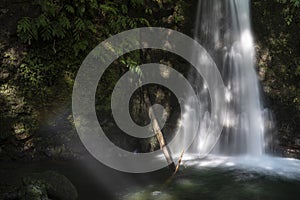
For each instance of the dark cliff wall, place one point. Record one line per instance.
(276, 28)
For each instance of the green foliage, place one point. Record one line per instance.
(64, 32)
(281, 42)
(291, 10)
(59, 21)
(294, 3)
(279, 61)
(36, 75)
(80, 19)
(132, 63)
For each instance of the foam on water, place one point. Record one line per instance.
(268, 165)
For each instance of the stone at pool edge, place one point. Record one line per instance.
(45, 186)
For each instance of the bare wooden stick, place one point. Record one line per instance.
(159, 134)
(170, 179)
(178, 164)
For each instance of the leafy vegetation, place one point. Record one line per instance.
(64, 32)
(277, 27)
(290, 10)
(53, 41)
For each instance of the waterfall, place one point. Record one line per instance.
(224, 29)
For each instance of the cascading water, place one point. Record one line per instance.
(224, 29)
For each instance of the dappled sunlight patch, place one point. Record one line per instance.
(265, 165)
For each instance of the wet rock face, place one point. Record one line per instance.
(277, 65)
(17, 120)
(44, 186)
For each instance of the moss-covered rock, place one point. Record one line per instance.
(44, 186)
(57, 185)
